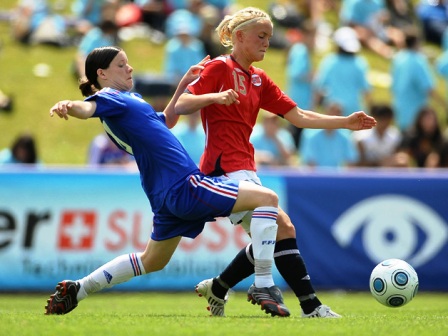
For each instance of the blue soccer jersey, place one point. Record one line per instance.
(182, 198)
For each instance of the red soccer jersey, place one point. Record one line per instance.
(228, 128)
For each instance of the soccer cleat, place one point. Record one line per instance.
(270, 299)
(64, 299)
(215, 304)
(322, 311)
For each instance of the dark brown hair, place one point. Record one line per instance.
(98, 58)
(24, 149)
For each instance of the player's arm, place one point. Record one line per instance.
(171, 117)
(189, 103)
(74, 108)
(309, 119)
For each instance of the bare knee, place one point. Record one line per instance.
(152, 265)
(268, 198)
(158, 253)
(272, 198)
(285, 227)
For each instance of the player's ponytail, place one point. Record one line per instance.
(87, 89)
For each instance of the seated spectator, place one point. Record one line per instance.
(103, 35)
(103, 151)
(433, 15)
(368, 18)
(328, 148)
(201, 19)
(273, 144)
(443, 154)
(34, 22)
(378, 146)
(90, 13)
(401, 13)
(154, 13)
(424, 141)
(23, 151)
(182, 51)
(184, 17)
(191, 135)
(398, 16)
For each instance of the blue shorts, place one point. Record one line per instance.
(192, 203)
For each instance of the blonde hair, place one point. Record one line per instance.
(238, 21)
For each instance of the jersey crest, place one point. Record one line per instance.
(256, 80)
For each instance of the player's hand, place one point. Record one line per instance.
(227, 98)
(194, 71)
(61, 108)
(360, 121)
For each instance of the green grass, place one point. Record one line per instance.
(184, 314)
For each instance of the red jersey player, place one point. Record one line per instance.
(229, 92)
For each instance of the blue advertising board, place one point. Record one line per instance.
(348, 222)
(58, 223)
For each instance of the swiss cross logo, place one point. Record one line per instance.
(77, 230)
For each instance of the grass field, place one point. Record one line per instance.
(184, 314)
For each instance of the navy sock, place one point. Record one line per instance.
(239, 269)
(292, 268)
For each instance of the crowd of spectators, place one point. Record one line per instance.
(409, 132)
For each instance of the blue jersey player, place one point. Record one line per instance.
(182, 198)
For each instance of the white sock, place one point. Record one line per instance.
(263, 228)
(116, 271)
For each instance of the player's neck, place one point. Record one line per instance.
(241, 61)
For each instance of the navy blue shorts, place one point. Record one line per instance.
(188, 206)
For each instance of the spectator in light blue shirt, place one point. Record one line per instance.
(328, 148)
(299, 68)
(183, 17)
(299, 73)
(102, 36)
(342, 76)
(413, 82)
(182, 51)
(90, 10)
(273, 144)
(22, 151)
(191, 135)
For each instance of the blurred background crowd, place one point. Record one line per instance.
(330, 50)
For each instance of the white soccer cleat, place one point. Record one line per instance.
(322, 311)
(215, 304)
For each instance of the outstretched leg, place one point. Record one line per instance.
(121, 269)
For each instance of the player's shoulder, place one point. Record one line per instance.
(258, 71)
(107, 91)
(222, 61)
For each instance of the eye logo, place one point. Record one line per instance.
(391, 225)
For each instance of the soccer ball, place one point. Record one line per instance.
(393, 283)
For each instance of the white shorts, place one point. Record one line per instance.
(243, 217)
